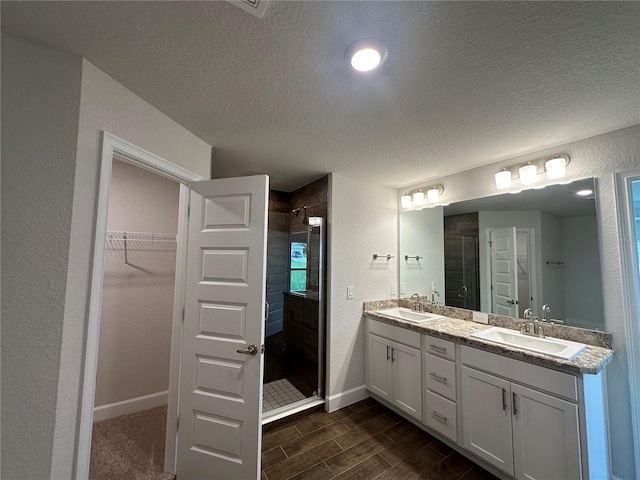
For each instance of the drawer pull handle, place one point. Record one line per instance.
(393, 359)
(435, 376)
(388, 352)
(504, 400)
(437, 347)
(438, 416)
(515, 408)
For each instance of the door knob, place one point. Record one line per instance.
(251, 350)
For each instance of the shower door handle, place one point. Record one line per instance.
(266, 312)
(251, 350)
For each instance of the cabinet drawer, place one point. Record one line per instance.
(400, 335)
(440, 414)
(440, 376)
(552, 381)
(440, 347)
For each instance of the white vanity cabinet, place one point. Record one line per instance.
(531, 432)
(394, 368)
(440, 390)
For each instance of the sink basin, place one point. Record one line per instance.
(409, 315)
(549, 346)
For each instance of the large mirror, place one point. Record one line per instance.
(506, 253)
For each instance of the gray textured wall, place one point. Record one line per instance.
(40, 107)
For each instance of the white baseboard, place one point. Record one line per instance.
(132, 405)
(342, 399)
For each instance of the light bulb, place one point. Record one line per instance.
(405, 201)
(528, 174)
(432, 194)
(366, 55)
(556, 168)
(418, 197)
(503, 179)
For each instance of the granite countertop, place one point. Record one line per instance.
(591, 361)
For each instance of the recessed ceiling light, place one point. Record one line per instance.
(366, 55)
(584, 193)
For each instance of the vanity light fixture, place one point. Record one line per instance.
(556, 167)
(528, 174)
(433, 193)
(419, 199)
(503, 179)
(366, 55)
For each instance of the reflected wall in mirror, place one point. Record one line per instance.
(506, 253)
(421, 253)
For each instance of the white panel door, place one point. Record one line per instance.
(219, 433)
(379, 366)
(504, 272)
(545, 427)
(486, 421)
(407, 379)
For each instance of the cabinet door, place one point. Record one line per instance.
(546, 440)
(407, 379)
(486, 419)
(379, 363)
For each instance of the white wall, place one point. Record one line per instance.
(552, 275)
(53, 110)
(363, 220)
(600, 157)
(488, 220)
(422, 233)
(582, 282)
(40, 106)
(137, 300)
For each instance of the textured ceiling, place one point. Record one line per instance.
(465, 83)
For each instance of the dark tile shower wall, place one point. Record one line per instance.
(277, 258)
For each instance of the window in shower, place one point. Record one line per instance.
(298, 268)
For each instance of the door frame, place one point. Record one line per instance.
(117, 148)
(631, 296)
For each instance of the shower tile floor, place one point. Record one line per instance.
(278, 394)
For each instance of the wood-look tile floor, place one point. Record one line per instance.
(362, 441)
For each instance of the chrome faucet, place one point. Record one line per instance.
(533, 326)
(416, 304)
(545, 310)
(434, 293)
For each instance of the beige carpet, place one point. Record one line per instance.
(130, 447)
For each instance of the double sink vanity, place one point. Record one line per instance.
(522, 406)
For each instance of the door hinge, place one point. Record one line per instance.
(177, 423)
(262, 349)
(182, 314)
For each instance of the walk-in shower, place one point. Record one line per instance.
(294, 352)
